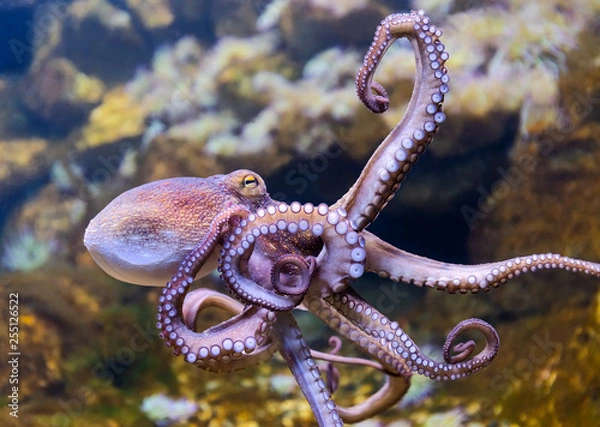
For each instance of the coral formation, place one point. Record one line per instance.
(208, 103)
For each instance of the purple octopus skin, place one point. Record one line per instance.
(276, 257)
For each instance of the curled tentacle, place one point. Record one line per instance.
(377, 102)
(492, 341)
(385, 341)
(336, 343)
(200, 298)
(464, 350)
(214, 348)
(334, 316)
(401, 266)
(341, 259)
(392, 160)
(291, 274)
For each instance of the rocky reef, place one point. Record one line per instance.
(120, 93)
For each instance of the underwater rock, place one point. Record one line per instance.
(520, 215)
(13, 120)
(171, 156)
(62, 307)
(22, 251)
(546, 366)
(207, 100)
(509, 58)
(23, 162)
(155, 14)
(453, 418)
(117, 118)
(59, 95)
(310, 26)
(235, 18)
(102, 39)
(545, 200)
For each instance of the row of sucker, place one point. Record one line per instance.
(393, 159)
(295, 351)
(219, 348)
(402, 266)
(333, 318)
(202, 298)
(341, 242)
(399, 350)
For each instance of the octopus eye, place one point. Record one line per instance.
(250, 181)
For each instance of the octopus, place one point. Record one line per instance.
(275, 257)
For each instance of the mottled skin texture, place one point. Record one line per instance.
(142, 235)
(275, 257)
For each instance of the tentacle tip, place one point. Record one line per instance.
(382, 107)
(377, 105)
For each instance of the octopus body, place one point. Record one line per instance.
(145, 232)
(275, 257)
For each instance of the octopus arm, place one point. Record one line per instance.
(387, 343)
(295, 351)
(394, 157)
(223, 347)
(393, 390)
(401, 266)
